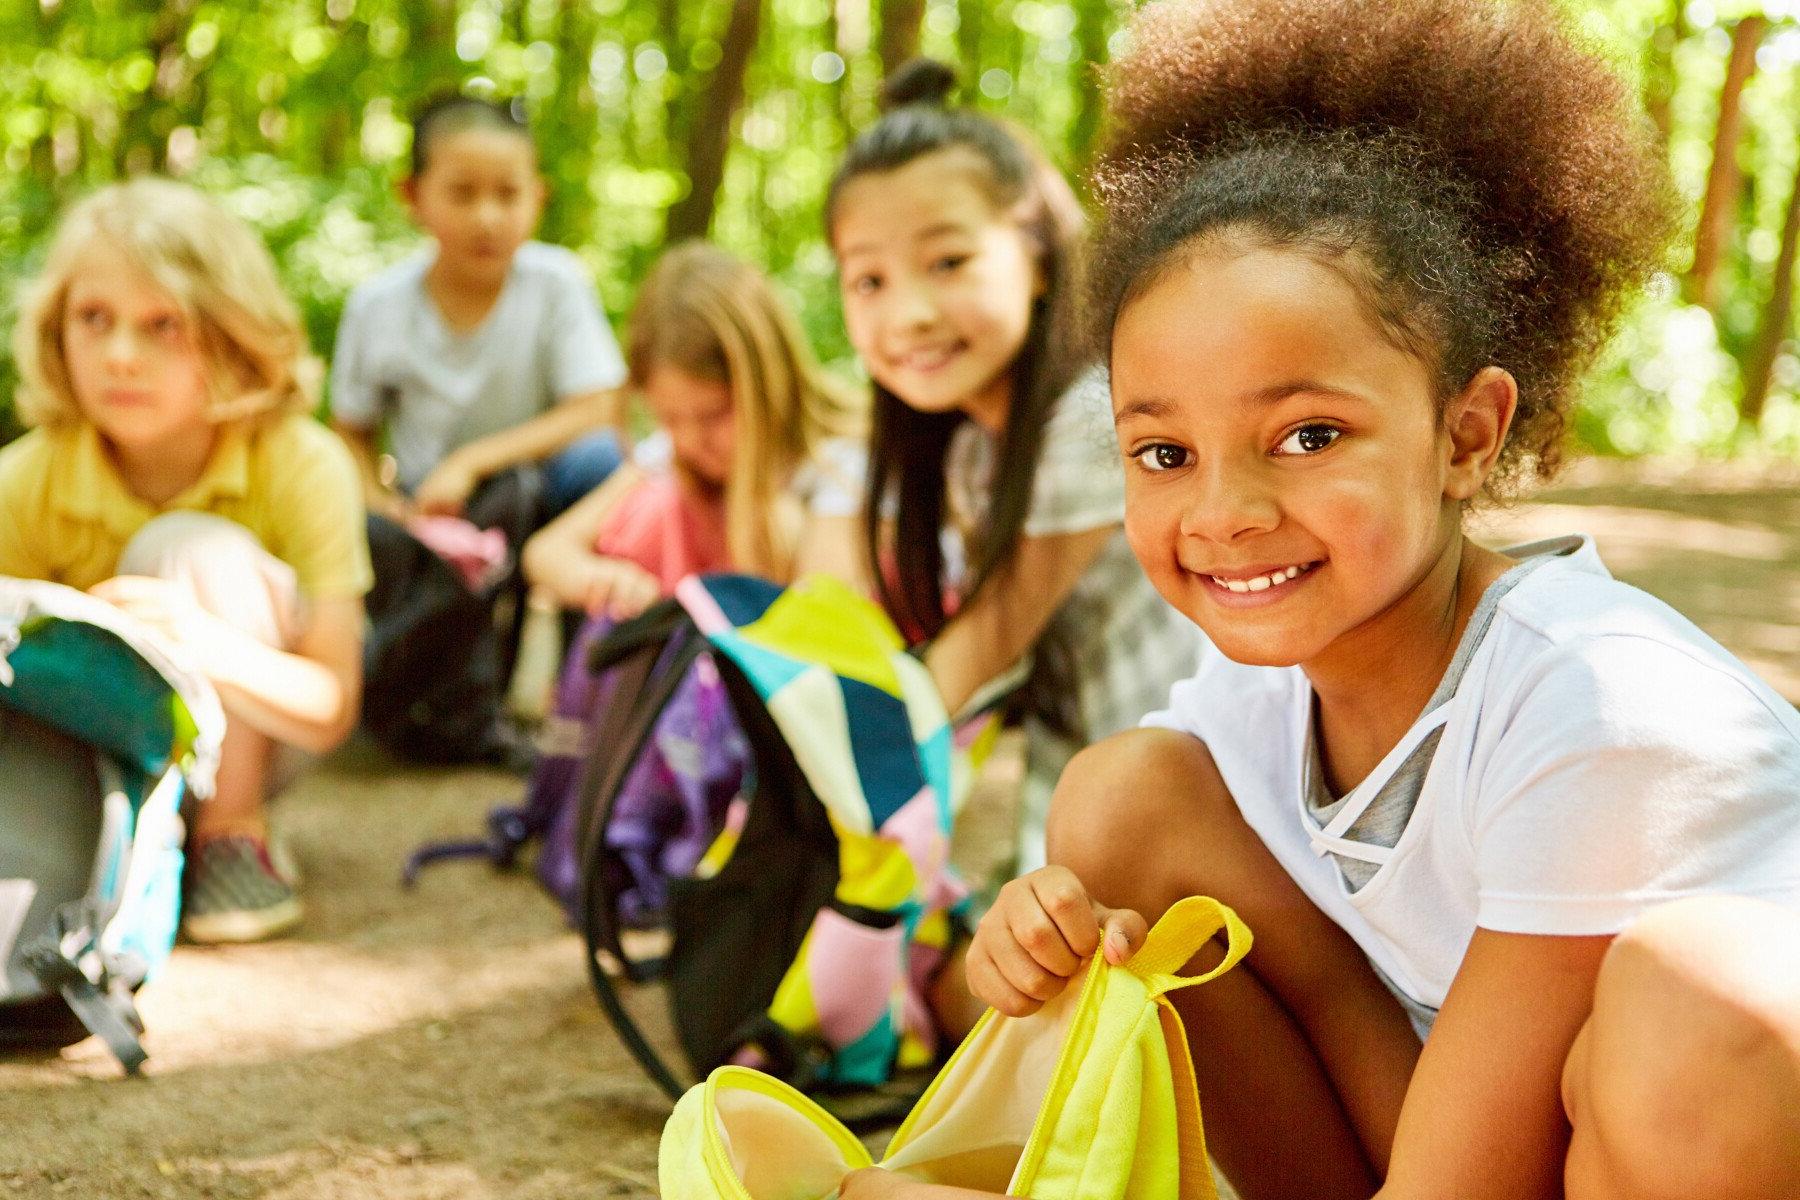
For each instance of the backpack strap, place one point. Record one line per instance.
(104, 1006)
(1179, 935)
(655, 673)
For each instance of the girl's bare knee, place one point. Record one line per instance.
(1690, 1071)
(1124, 809)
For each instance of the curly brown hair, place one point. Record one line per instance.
(1481, 176)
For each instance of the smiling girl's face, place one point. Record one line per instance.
(1289, 479)
(937, 284)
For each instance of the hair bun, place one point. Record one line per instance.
(918, 81)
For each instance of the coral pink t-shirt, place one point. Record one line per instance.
(669, 530)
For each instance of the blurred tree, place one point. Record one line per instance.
(899, 32)
(1777, 315)
(1725, 180)
(1660, 76)
(711, 138)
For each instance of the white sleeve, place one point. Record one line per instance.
(1632, 771)
(654, 453)
(1080, 479)
(584, 355)
(832, 483)
(355, 392)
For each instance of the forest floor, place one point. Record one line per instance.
(443, 1042)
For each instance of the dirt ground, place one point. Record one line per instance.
(442, 1042)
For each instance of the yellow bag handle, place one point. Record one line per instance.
(1187, 926)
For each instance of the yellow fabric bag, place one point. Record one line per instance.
(1090, 1098)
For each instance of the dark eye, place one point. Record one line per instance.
(949, 263)
(1309, 439)
(1162, 457)
(865, 285)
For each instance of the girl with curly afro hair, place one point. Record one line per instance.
(1519, 844)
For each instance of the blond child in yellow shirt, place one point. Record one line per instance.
(172, 469)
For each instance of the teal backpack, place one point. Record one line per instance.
(102, 733)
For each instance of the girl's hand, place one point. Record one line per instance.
(610, 587)
(166, 607)
(446, 489)
(1042, 928)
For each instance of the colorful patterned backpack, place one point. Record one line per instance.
(801, 939)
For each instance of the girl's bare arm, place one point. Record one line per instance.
(559, 552)
(1008, 615)
(1483, 1117)
(834, 546)
(309, 696)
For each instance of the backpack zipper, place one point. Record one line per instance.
(719, 1162)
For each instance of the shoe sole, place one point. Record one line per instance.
(244, 925)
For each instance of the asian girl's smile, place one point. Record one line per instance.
(1291, 478)
(937, 285)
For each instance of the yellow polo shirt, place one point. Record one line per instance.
(65, 515)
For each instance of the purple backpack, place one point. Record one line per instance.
(667, 812)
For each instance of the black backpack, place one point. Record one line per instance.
(731, 937)
(437, 655)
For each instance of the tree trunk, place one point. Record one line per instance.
(1775, 322)
(1725, 180)
(141, 144)
(899, 41)
(691, 216)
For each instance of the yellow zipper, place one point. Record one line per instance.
(718, 1162)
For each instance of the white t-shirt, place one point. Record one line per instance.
(396, 363)
(1601, 755)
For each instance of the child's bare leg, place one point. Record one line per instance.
(236, 805)
(1685, 1082)
(1302, 1055)
(229, 574)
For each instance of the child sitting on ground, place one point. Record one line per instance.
(993, 476)
(485, 351)
(175, 470)
(475, 359)
(754, 468)
(1519, 844)
(754, 446)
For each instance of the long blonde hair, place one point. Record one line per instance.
(219, 273)
(710, 315)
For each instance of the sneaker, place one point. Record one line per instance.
(237, 893)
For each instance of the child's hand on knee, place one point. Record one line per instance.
(1039, 932)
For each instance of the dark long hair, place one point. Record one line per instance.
(907, 448)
